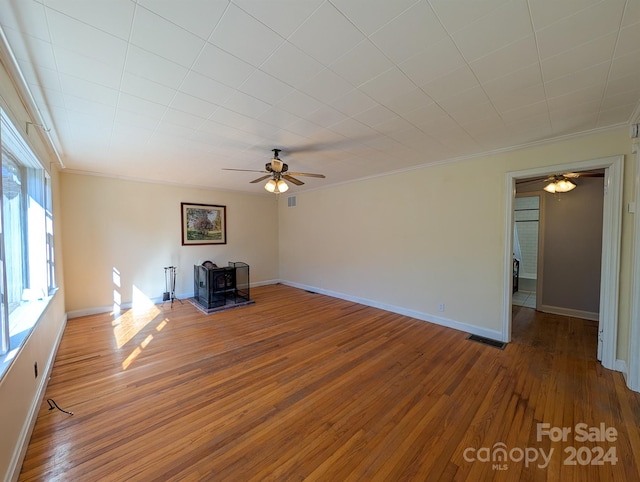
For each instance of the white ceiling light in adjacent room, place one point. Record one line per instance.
(559, 185)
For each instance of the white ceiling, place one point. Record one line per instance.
(178, 90)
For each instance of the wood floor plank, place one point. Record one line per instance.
(300, 386)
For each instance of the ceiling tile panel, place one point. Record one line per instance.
(95, 110)
(140, 106)
(278, 117)
(193, 105)
(370, 15)
(506, 24)
(512, 57)
(146, 89)
(219, 65)
(353, 103)
(481, 111)
(516, 80)
(183, 119)
(88, 68)
(614, 99)
(88, 90)
(408, 101)
(326, 86)
(246, 104)
(197, 16)
(114, 17)
(451, 84)
(361, 63)
(631, 14)
(272, 13)
(161, 37)
(387, 85)
(299, 103)
(616, 115)
(629, 40)
(376, 115)
(460, 101)
(265, 87)
(291, 65)
(326, 35)
(205, 88)
(603, 18)
(518, 98)
(579, 58)
(65, 32)
(547, 12)
(409, 33)
(525, 112)
(596, 75)
(625, 64)
(434, 61)
(326, 116)
(154, 67)
(142, 121)
(458, 15)
(592, 93)
(245, 37)
(27, 17)
(35, 50)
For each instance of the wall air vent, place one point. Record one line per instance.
(291, 202)
(487, 341)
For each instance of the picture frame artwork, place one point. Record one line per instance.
(203, 224)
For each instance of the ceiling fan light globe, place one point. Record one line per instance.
(551, 187)
(564, 185)
(270, 185)
(282, 186)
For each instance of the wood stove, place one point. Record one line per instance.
(214, 287)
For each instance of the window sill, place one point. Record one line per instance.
(22, 321)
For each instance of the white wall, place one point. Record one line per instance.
(573, 248)
(414, 240)
(134, 227)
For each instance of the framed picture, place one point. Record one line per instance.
(203, 224)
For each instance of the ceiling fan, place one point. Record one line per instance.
(559, 183)
(278, 171)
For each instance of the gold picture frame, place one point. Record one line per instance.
(203, 224)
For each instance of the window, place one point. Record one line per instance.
(27, 276)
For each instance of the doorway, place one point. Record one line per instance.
(610, 263)
(526, 242)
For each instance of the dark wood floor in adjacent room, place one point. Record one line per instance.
(301, 386)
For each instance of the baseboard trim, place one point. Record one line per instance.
(96, 310)
(558, 310)
(419, 315)
(27, 429)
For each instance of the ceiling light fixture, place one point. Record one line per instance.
(276, 186)
(560, 184)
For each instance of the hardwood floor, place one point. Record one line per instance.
(301, 386)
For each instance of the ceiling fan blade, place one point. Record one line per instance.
(243, 170)
(527, 181)
(584, 174)
(308, 174)
(261, 178)
(295, 181)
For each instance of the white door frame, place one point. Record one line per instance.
(611, 234)
(633, 370)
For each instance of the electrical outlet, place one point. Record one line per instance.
(441, 307)
(35, 369)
